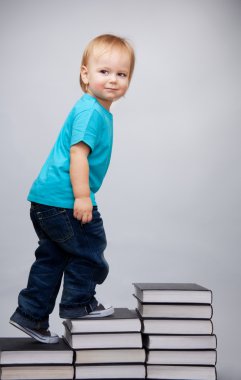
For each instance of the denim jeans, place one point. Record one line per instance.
(69, 250)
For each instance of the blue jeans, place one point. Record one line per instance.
(66, 249)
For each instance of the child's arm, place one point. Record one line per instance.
(79, 176)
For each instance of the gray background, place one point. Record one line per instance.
(171, 199)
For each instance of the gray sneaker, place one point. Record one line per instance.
(42, 335)
(100, 311)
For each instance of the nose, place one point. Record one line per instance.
(112, 78)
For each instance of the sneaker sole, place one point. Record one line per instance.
(100, 314)
(48, 340)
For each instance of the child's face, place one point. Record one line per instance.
(107, 76)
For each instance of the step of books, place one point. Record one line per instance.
(109, 347)
(170, 335)
(177, 330)
(25, 358)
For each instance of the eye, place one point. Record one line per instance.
(105, 72)
(122, 75)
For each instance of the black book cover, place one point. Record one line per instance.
(29, 344)
(102, 339)
(169, 286)
(173, 293)
(27, 351)
(100, 333)
(123, 320)
(174, 310)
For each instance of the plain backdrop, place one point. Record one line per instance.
(171, 198)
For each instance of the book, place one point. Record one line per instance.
(174, 311)
(180, 342)
(123, 320)
(103, 340)
(172, 293)
(28, 351)
(178, 326)
(181, 372)
(51, 372)
(110, 372)
(182, 357)
(123, 355)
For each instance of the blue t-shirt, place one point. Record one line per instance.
(90, 123)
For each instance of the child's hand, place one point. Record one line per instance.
(83, 209)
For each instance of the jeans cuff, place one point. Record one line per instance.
(78, 311)
(27, 321)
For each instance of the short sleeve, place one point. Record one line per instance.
(86, 128)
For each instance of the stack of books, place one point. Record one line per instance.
(25, 358)
(107, 348)
(177, 330)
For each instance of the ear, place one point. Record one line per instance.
(84, 74)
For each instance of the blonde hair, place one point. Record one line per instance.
(103, 42)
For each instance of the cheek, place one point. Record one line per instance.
(98, 85)
(125, 86)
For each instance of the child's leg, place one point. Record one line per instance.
(86, 267)
(37, 300)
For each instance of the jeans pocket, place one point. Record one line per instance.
(56, 224)
(95, 233)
